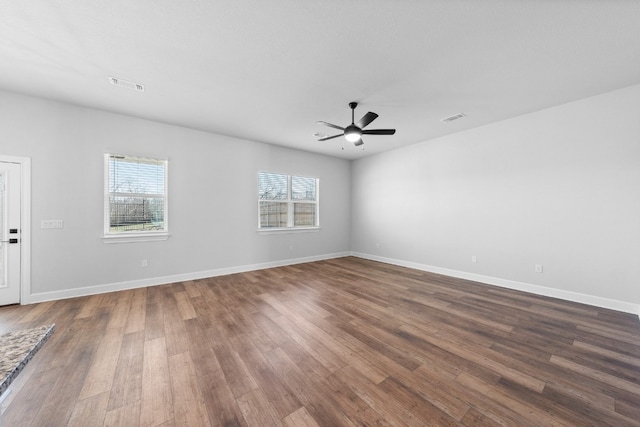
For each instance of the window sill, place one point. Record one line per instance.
(288, 230)
(134, 238)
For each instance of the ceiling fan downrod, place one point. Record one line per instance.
(353, 106)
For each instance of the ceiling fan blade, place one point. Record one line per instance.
(329, 124)
(326, 138)
(358, 142)
(379, 132)
(366, 119)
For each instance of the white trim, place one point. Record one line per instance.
(134, 237)
(612, 304)
(504, 283)
(288, 230)
(25, 224)
(142, 283)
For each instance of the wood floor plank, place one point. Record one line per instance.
(200, 347)
(56, 408)
(502, 398)
(157, 396)
(222, 406)
(188, 404)
(628, 408)
(630, 360)
(175, 332)
(238, 377)
(583, 411)
(394, 409)
(356, 410)
(184, 305)
(482, 358)
(128, 415)
(631, 387)
(257, 411)
(36, 311)
(283, 400)
(90, 411)
(300, 418)
(269, 336)
(416, 404)
(338, 342)
(127, 382)
(99, 379)
(432, 388)
(89, 306)
(137, 310)
(28, 404)
(154, 316)
(319, 405)
(319, 349)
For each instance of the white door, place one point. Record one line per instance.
(10, 233)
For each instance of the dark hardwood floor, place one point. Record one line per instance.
(343, 342)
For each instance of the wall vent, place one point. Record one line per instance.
(127, 84)
(452, 118)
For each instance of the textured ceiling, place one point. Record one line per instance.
(267, 70)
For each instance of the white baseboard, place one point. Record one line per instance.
(622, 306)
(143, 283)
(612, 304)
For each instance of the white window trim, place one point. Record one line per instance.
(290, 228)
(132, 237)
(281, 230)
(135, 237)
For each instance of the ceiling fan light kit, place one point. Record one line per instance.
(353, 133)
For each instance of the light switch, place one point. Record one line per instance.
(51, 223)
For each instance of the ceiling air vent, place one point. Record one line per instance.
(127, 84)
(452, 118)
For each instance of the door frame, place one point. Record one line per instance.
(25, 224)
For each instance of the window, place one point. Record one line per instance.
(135, 199)
(286, 201)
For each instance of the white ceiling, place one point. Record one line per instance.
(267, 70)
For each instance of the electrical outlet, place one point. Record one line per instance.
(474, 258)
(144, 263)
(538, 268)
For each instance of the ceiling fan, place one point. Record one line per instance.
(353, 132)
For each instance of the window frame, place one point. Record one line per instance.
(134, 236)
(291, 202)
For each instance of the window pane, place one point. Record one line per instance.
(136, 194)
(273, 214)
(287, 201)
(136, 175)
(303, 188)
(272, 186)
(135, 214)
(304, 214)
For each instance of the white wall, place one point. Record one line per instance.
(558, 187)
(212, 196)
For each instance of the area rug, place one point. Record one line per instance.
(17, 348)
